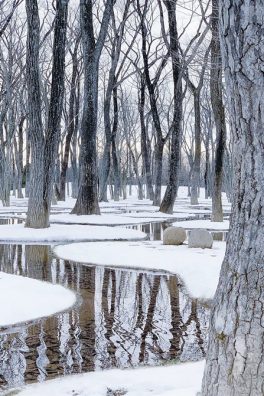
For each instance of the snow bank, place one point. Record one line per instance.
(66, 233)
(24, 299)
(199, 268)
(110, 219)
(207, 224)
(178, 380)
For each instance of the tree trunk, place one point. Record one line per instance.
(176, 126)
(71, 125)
(158, 172)
(36, 216)
(144, 145)
(216, 89)
(87, 200)
(235, 359)
(44, 150)
(197, 154)
(115, 158)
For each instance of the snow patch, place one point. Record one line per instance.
(23, 299)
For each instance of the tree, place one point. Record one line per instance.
(176, 125)
(87, 200)
(44, 148)
(235, 360)
(216, 88)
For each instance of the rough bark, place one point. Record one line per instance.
(36, 212)
(176, 125)
(235, 359)
(216, 89)
(87, 200)
(44, 149)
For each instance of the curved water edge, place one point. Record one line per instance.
(126, 319)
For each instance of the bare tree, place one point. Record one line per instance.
(44, 148)
(87, 200)
(235, 355)
(216, 88)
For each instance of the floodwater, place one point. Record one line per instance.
(155, 231)
(122, 318)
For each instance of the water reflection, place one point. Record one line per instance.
(123, 319)
(155, 231)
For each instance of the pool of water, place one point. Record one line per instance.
(155, 231)
(122, 319)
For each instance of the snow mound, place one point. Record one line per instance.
(25, 299)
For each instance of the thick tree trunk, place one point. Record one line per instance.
(36, 216)
(44, 150)
(216, 89)
(87, 200)
(235, 359)
(176, 126)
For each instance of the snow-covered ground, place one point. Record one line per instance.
(199, 268)
(23, 299)
(117, 218)
(177, 380)
(67, 233)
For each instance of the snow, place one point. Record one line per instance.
(25, 299)
(174, 380)
(199, 268)
(66, 233)
(206, 224)
(114, 219)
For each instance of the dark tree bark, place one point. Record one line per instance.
(111, 87)
(115, 159)
(52, 136)
(235, 359)
(151, 86)
(216, 89)
(176, 125)
(144, 140)
(71, 121)
(36, 212)
(196, 92)
(87, 200)
(195, 178)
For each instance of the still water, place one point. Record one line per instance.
(122, 318)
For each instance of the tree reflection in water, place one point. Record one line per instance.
(122, 319)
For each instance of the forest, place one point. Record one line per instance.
(131, 197)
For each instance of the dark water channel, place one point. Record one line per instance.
(122, 319)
